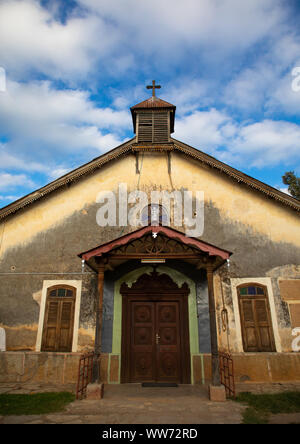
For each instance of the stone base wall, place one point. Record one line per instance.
(253, 368)
(48, 368)
(62, 368)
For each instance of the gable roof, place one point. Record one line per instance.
(153, 102)
(126, 148)
(171, 233)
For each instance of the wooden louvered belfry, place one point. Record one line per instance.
(59, 319)
(153, 126)
(153, 119)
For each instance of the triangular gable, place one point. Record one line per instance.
(130, 147)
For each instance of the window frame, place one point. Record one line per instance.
(60, 300)
(256, 297)
(41, 296)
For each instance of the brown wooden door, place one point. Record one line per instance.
(155, 331)
(155, 346)
(59, 320)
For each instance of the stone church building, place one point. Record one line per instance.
(156, 304)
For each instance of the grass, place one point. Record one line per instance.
(260, 407)
(35, 404)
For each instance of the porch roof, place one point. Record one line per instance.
(191, 245)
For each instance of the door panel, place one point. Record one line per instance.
(168, 343)
(142, 344)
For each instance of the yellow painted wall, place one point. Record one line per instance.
(235, 202)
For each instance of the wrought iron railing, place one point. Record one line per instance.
(85, 373)
(227, 373)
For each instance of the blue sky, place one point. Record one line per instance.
(74, 68)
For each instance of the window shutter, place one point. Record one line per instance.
(295, 315)
(160, 127)
(50, 327)
(66, 326)
(145, 127)
(290, 289)
(255, 319)
(248, 325)
(263, 325)
(153, 127)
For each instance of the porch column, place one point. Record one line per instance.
(216, 381)
(98, 337)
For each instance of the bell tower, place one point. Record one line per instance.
(153, 119)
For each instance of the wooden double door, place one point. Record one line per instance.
(155, 346)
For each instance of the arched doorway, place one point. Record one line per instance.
(155, 333)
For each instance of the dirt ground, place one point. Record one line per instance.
(133, 404)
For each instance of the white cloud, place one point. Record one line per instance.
(43, 123)
(9, 181)
(9, 198)
(157, 25)
(265, 83)
(247, 90)
(268, 143)
(284, 190)
(259, 144)
(207, 130)
(31, 38)
(114, 36)
(283, 98)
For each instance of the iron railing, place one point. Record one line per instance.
(85, 373)
(227, 373)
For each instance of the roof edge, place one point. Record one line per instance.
(65, 179)
(238, 175)
(126, 147)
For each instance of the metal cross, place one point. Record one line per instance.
(153, 87)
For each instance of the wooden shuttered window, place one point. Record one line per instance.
(255, 316)
(295, 315)
(153, 127)
(59, 319)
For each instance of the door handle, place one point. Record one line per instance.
(157, 338)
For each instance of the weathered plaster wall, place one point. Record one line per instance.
(42, 242)
(236, 203)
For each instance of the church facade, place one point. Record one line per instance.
(155, 300)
